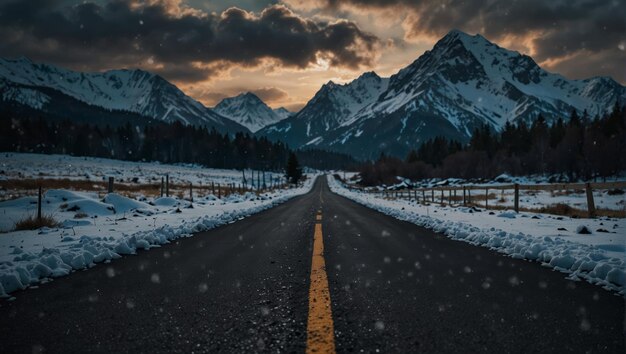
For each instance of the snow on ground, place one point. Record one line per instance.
(599, 257)
(24, 165)
(94, 230)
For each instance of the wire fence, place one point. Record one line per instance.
(486, 195)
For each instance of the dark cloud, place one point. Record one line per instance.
(270, 94)
(176, 40)
(562, 31)
(183, 72)
(212, 98)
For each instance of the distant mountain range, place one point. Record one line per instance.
(250, 111)
(42, 87)
(463, 83)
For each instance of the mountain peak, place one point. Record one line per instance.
(249, 96)
(466, 40)
(249, 110)
(282, 109)
(455, 33)
(464, 37)
(283, 112)
(369, 75)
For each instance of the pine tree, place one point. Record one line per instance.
(412, 157)
(293, 171)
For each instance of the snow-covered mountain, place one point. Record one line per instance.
(250, 111)
(37, 85)
(283, 113)
(462, 83)
(332, 107)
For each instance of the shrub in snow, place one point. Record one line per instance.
(33, 223)
(583, 230)
(508, 215)
(615, 192)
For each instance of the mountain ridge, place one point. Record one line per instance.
(131, 90)
(460, 84)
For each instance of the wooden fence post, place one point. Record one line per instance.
(264, 185)
(190, 192)
(442, 195)
(39, 205)
(213, 188)
(167, 185)
(162, 186)
(464, 203)
(591, 206)
(432, 195)
(487, 198)
(424, 196)
(219, 192)
(516, 198)
(110, 189)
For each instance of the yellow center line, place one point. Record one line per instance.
(320, 328)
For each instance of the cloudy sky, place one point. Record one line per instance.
(284, 50)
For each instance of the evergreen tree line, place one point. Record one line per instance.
(581, 148)
(166, 143)
(326, 160)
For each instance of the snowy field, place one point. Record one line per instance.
(15, 166)
(94, 229)
(598, 257)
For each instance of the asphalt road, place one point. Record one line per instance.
(244, 287)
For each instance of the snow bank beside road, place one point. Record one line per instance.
(598, 258)
(94, 231)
